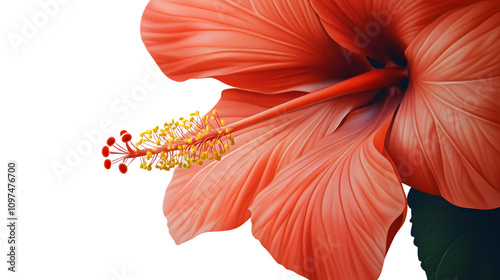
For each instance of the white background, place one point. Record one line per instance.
(77, 66)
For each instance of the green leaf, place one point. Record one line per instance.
(455, 243)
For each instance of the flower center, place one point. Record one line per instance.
(198, 138)
(394, 59)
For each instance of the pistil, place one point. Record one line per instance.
(197, 139)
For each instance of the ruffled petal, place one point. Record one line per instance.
(258, 45)
(333, 213)
(381, 29)
(445, 138)
(216, 196)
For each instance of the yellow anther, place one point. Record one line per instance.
(216, 155)
(174, 147)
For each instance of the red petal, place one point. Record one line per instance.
(379, 28)
(445, 138)
(253, 45)
(216, 196)
(334, 212)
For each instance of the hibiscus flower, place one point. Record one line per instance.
(322, 138)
